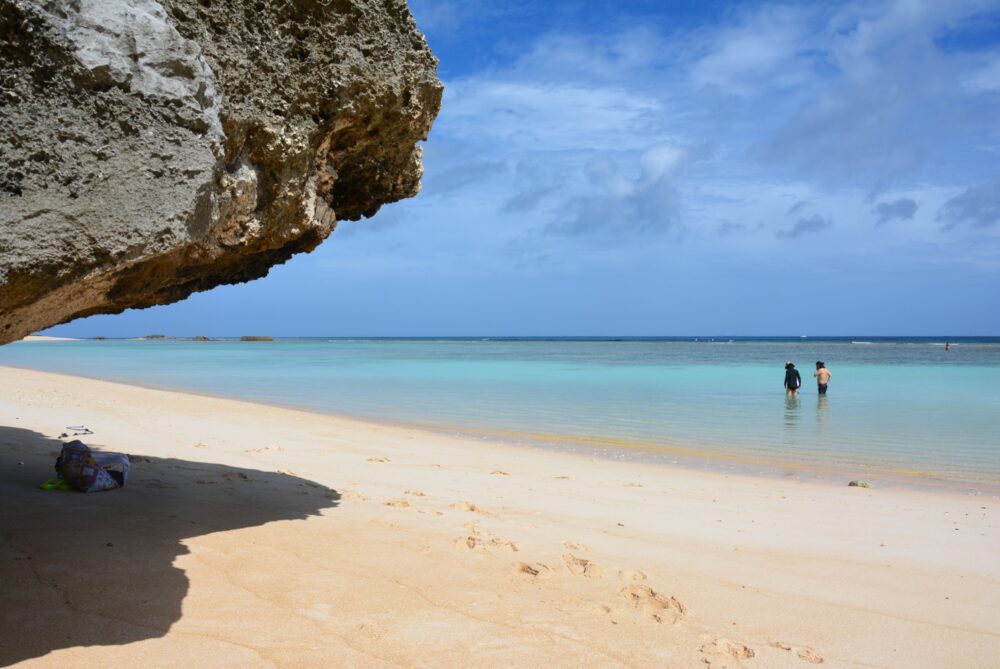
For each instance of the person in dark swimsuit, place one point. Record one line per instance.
(822, 377)
(793, 380)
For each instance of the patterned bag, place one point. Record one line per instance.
(91, 471)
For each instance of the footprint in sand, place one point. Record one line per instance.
(661, 607)
(467, 506)
(537, 570)
(474, 541)
(499, 472)
(378, 459)
(581, 567)
(573, 546)
(561, 478)
(803, 653)
(353, 497)
(236, 476)
(809, 655)
(200, 445)
(414, 493)
(631, 575)
(503, 544)
(724, 646)
(397, 503)
(265, 449)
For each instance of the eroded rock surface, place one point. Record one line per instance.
(153, 148)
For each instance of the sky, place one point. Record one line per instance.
(606, 167)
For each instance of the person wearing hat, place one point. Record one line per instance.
(822, 375)
(793, 380)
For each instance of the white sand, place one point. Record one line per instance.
(230, 548)
(47, 338)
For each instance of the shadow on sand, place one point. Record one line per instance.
(97, 569)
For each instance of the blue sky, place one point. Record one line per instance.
(670, 168)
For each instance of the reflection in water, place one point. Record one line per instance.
(821, 407)
(791, 411)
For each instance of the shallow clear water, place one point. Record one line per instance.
(904, 406)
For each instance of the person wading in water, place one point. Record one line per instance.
(792, 380)
(822, 375)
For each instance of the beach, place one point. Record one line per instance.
(38, 338)
(900, 410)
(253, 535)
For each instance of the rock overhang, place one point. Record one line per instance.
(152, 149)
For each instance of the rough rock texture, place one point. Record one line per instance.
(153, 148)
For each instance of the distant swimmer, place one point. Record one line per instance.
(822, 375)
(947, 346)
(793, 380)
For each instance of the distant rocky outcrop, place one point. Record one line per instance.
(150, 149)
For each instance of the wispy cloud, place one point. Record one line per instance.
(387, 217)
(902, 209)
(978, 207)
(805, 226)
(770, 47)
(619, 203)
(460, 176)
(986, 77)
(880, 88)
(798, 207)
(515, 116)
(833, 97)
(533, 184)
(727, 228)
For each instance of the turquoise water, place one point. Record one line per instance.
(903, 406)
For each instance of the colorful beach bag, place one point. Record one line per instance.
(91, 471)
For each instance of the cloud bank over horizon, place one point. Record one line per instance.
(631, 168)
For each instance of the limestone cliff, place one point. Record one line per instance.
(153, 148)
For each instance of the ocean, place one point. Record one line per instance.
(898, 409)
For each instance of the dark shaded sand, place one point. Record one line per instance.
(120, 585)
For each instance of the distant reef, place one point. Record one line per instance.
(152, 149)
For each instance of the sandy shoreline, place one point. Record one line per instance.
(263, 536)
(692, 457)
(31, 338)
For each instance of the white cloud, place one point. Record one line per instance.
(618, 202)
(615, 137)
(567, 116)
(640, 53)
(769, 48)
(986, 77)
(881, 93)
